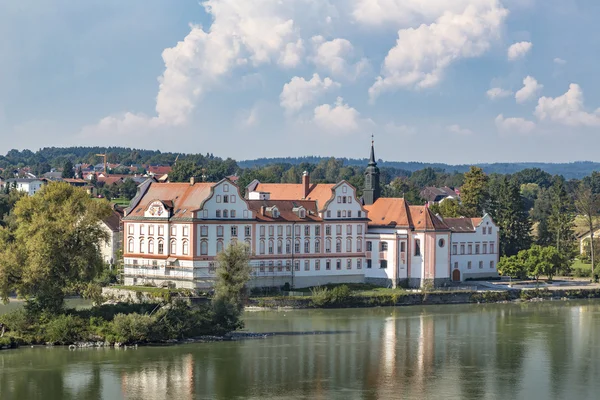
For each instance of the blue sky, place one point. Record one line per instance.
(459, 82)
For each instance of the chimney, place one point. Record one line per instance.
(192, 181)
(305, 183)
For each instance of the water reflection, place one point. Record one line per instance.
(527, 351)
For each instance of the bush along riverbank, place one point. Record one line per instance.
(343, 297)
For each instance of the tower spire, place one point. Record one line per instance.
(372, 189)
(372, 158)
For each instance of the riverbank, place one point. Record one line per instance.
(402, 298)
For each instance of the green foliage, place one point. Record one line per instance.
(66, 329)
(535, 261)
(54, 245)
(561, 219)
(474, 192)
(132, 328)
(128, 189)
(325, 297)
(449, 208)
(68, 171)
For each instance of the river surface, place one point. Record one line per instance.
(548, 350)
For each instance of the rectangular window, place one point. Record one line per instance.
(328, 230)
(344, 213)
(262, 231)
(247, 230)
(369, 245)
(150, 229)
(339, 199)
(307, 230)
(383, 246)
(279, 247)
(232, 199)
(490, 230)
(338, 264)
(462, 249)
(288, 230)
(491, 264)
(307, 265)
(369, 263)
(456, 265)
(262, 267)
(306, 246)
(317, 246)
(338, 230)
(480, 264)
(204, 231)
(161, 230)
(130, 228)
(185, 230)
(219, 231)
(477, 248)
(484, 250)
(359, 229)
(271, 249)
(358, 263)
(328, 265)
(470, 249)
(317, 230)
(339, 214)
(454, 248)
(232, 214)
(218, 213)
(348, 229)
(297, 247)
(234, 231)
(349, 213)
(344, 199)
(359, 245)
(349, 263)
(271, 230)
(469, 265)
(225, 198)
(349, 199)
(492, 248)
(328, 213)
(142, 230)
(288, 247)
(279, 230)
(383, 264)
(296, 265)
(173, 230)
(218, 198)
(360, 214)
(297, 230)
(484, 230)
(317, 265)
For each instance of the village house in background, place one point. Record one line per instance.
(112, 225)
(27, 185)
(299, 234)
(434, 195)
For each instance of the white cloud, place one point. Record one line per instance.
(241, 33)
(337, 119)
(395, 129)
(513, 125)
(530, 89)
(422, 54)
(498, 93)
(519, 50)
(299, 92)
(333, 55)
(458, 130)
(559, 61)
(292, 54)
(567, 109)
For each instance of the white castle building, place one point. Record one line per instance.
(301, 234)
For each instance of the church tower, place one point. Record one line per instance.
(372, 190)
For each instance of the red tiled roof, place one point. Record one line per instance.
(113, 221)
(462, 224)
(158, 170)
(285, 208)
(319, 192)
(183, 198)
(396, 212)
(110, 180)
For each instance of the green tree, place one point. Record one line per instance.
(232, 275)
(512, 266)
(67, 171)
(402, 187)
(184, 170)
(128, 189)
(54, 247)
(508, 211)
(449, 208)
(561, 220)
(587, 205)
(474, 192)
(542, 261)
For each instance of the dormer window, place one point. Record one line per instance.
(302, 213)
(274, 212)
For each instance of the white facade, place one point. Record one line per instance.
(29, 186)
(475, 254)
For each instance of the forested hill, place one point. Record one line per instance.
(574, 170)
(55, 157)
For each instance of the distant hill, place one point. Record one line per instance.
(573, 170)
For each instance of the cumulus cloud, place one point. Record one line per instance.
(337, 119)
(497, 93)
(299, 92)
(530, 89)
(559, 61)
(567, 109)
(292, 54)
(396, 129)
(241, 33)
(333, 56)
(513, 125)
(458, 130)
(422, 54)
(519, 50)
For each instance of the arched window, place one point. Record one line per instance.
(161, 246)
(338, 245)
(219, 246)
(417, 247)
(186, 246)
(297, 246)
(150, 246)
(348, 245)
(359, 245)
(261, 248)
(225, 214)
(306, 246)
(130, 246)
(141, 245)
(204, 248)
(327, 245)
(288, 246)
(248, 246)
(271, 245)
(173, 247)
(317, 246)
(279, 246)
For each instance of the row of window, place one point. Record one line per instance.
(488, 230)
(279, 266)
(225, 214)
(149, 247)
(480, 248)
(383, 246)
(306, 229)
(160, 229)
(344, 214)
(470, 265)
(276, 247)
(225, 198)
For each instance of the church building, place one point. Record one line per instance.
(302, 235)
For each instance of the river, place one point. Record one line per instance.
(548, 350)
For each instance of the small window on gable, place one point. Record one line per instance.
(339, 199)
(344, 199)
(226, 188)
(218, 198)
(344, 189)
(349, 199)
(225, 198)
(232, 199)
